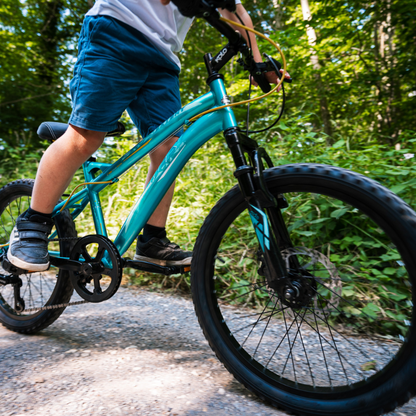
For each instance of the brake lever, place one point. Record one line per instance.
(273, 65)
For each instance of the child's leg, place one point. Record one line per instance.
(29, 239)
(160, 214)
(153, 246)
(59, 164)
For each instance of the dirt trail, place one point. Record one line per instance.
(140, 353)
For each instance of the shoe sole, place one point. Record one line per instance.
(21, 264)
(184, 262)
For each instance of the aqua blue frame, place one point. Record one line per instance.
(191, 140)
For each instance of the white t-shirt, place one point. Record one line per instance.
(164, 26)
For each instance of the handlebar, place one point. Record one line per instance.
(238, 44)
(207, 10)
(197, 8)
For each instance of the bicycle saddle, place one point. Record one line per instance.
(52, 130)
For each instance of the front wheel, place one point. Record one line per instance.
(344, 341)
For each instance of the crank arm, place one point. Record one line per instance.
(71, 265)
(9, 280)
(19, 303)
(155, 268)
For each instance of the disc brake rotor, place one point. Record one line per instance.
(321, 276)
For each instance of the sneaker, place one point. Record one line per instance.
(28, 249)
(161, 251)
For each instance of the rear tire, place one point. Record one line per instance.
(349, 347)
(41, 288)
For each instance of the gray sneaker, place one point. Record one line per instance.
(161, 251)
(28, 248)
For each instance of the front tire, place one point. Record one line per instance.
(348, 347)
(39, 289)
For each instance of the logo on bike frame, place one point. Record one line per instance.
(221, 55)
(261, 226)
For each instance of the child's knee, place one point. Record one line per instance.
(159, 154)
(86, 141)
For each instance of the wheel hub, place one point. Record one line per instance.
(297, 291)
(300, 287)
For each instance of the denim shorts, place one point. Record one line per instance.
(118, 69)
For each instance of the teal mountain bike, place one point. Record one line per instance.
(302, 275)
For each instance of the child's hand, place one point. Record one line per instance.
(271, 77)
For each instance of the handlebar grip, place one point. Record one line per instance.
(289, 80)
(262, 81)
(192, 8)
(188, 8)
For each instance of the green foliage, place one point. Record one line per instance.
(37, 50)
(366, 55)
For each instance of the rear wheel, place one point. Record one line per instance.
(342, 339)
(39, 289)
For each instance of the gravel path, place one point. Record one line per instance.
(140, 353)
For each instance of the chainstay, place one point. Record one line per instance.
(60, 305)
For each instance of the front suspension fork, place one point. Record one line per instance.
(262, 205)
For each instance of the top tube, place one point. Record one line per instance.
(216, 97)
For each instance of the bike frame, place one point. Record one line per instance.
(190, 141)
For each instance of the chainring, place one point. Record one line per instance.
(101, 277)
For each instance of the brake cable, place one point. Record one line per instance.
(249, 91)
(249, 86)
(231, 22)
(281, 109)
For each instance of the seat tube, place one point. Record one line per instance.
(96, 209)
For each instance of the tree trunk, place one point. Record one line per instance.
(278, 22)
(325, 114)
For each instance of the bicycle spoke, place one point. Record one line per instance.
(333, 339)
(342, 313)
(19, 206)
(323, 352)
(245, 294)
(245, 316)
(329, 344)
(265, 328)
(7, 235)
(304, 350)
(11, 215)
(259, 320)
(31, 303)
(256, 323)
(290, 349)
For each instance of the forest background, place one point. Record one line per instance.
(352, 102)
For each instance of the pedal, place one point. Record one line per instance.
(8, 267)
(145, 266)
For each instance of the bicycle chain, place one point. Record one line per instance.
(60, 305)
(45, 308)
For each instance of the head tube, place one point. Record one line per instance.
(221, 98)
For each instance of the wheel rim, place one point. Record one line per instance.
(38, 288)
(339, 349)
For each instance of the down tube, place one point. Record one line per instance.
(199, 133)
